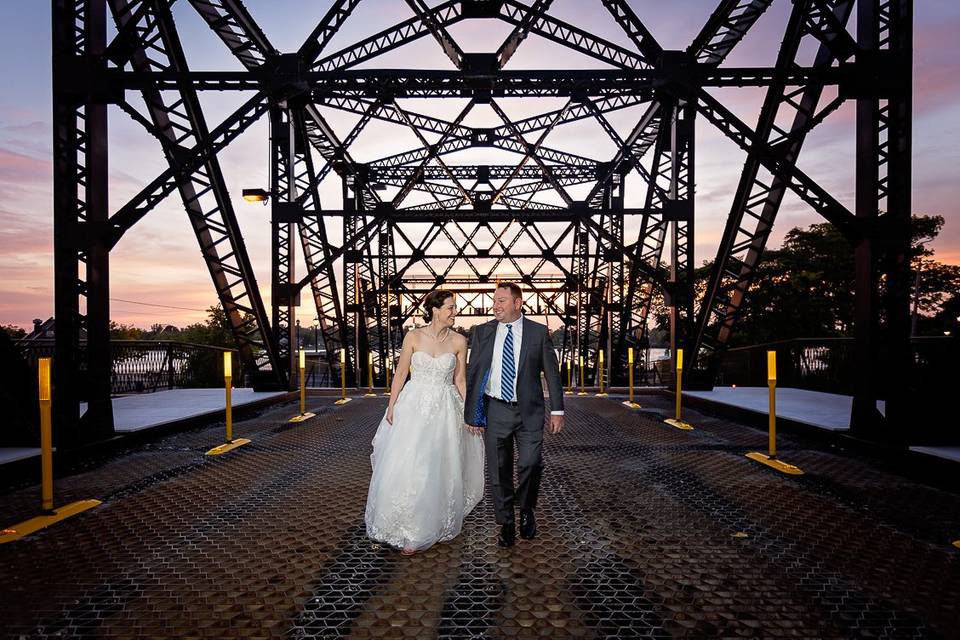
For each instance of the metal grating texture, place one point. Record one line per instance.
(645, 531)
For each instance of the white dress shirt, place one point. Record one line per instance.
(496, 365)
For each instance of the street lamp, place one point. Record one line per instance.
(316, 323)
(256, 195)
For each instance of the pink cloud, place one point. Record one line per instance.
(17, 168)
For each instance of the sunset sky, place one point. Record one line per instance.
(157, 274)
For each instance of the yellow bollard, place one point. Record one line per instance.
(46, 439)
(583, 391)
(343, 378)
(630, 403)
(228, 389)
(50, 515)
(676, 421)
(770, 459)
(370, 393)
(304, 414)
(601, 370)
(569, 391)
(230, 444)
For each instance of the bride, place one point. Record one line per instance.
(427, 467)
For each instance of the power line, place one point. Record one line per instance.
(150, 304)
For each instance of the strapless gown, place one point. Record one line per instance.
(428, 469)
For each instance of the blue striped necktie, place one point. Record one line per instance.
(508, 368)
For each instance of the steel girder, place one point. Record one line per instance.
(316, 247)
(155, 43)
(489, 225)
(758, 198)
(283, 227)
(882, 349)
(80, 209)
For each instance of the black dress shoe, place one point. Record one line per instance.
(528, 524)
(507, 535)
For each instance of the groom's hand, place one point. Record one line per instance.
(556, 424)
(477, 431)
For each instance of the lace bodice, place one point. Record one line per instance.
(426, 368)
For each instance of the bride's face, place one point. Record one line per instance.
(445, 314)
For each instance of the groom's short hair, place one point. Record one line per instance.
(514, 288)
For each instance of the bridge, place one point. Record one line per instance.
(647, 530)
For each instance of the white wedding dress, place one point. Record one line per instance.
(427, 467)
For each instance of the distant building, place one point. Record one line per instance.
(44, 331)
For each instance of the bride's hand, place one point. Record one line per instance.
(390, 416)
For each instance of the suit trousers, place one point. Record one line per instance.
(504, 428)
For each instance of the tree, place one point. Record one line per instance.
(805, 289)
(124, 331)
(13, 331)
(215, 331)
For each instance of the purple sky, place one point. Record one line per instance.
(158, 262)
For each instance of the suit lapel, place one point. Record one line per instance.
(524, 341)
(488, 346)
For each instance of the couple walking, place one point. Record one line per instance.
(429, 449)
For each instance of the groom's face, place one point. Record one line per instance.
(506, 308)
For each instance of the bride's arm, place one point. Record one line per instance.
(400, 375)
(460, 375)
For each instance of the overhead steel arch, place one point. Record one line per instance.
(415, 218)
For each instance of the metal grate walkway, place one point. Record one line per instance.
(645, 531)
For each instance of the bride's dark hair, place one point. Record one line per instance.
(434, 300)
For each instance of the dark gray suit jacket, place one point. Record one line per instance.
(536, 355)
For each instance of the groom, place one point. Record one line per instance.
(505, 400)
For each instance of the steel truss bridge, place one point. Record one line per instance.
(362, 262)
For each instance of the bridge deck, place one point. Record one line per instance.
(646, 531)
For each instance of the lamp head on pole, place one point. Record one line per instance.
(303, 359)
(679, 359)
(227, 364)
(256, 195)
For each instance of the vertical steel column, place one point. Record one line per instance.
(284, 295)
(581, 253)
(883, 359)
(353, 302)
(384, 262)
(897, 120)
(81, 256)
(616, 362)
(678, 210)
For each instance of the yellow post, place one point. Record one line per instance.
(676, 421)
(228, 387)
(569, 377)
(630, 403)
(303, 383)
(370, 393)
(46, 438)
(343, 378)
(230, 444)
(770, 459)
(304, 414)
(583, 390)
(772, 386)
(50, 515)
(600, 376)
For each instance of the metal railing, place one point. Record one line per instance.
(828, 364)
(143, 366)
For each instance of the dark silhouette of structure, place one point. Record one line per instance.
(583, 269)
